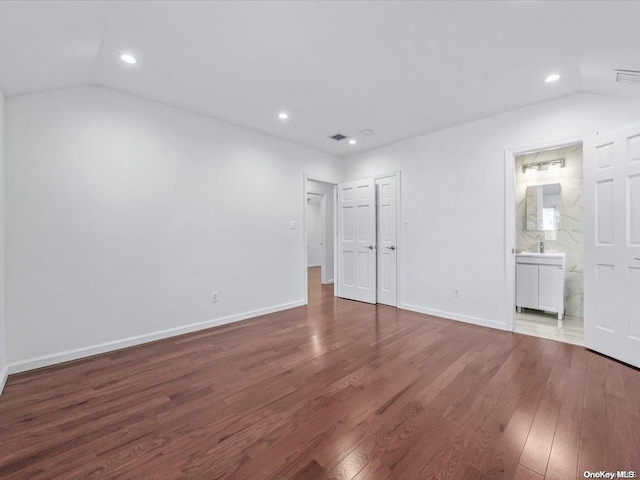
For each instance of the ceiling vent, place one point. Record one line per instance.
(338, 136)
(628, 76)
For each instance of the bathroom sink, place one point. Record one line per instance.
(548, 254)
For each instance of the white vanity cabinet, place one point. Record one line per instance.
(540, 279)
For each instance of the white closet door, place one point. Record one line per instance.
(612, 243)
(387, 202)
(357, 240)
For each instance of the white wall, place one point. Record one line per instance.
(3, 362)
(123, 215)
(452, 195)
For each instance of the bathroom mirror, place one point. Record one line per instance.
(543, 207)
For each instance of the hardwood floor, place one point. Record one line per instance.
(337, 389)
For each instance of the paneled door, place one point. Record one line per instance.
(357, 240)
(612, 243)
(386, 189)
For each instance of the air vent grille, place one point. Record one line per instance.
(628, 76)
(338, 136)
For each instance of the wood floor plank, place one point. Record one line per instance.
(311, 471)
(498, 449)
(623, 451)
(484, 423)
(523, 473)
(502, 462)
(593, 429)
(535, 455)
(563, 461)
(335, 389)
(374, 470)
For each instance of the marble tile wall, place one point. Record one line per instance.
(570, 237)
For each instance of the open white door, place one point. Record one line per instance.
(386, 189)
(357, 241)
(612, 244)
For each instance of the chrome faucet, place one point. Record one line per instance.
(541, 247)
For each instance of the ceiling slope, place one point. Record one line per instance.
(398, 68)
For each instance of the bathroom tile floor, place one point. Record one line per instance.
(545, 325)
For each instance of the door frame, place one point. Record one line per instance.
(305, 178)
(510, 219)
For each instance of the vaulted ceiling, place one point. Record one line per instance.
(398, 68)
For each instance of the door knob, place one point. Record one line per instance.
(391, 247)
(370, 247)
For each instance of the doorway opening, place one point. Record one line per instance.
(320, 236)
(549, 243)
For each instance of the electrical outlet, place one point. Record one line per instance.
(406, 224)
(456, 292)
(214, 296)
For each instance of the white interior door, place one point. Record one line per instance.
(357, 240)
(612, 243)
(386, 191)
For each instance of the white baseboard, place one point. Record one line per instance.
(4, 373)
(483, 322)
(68, 355)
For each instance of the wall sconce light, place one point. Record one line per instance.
(553, 166)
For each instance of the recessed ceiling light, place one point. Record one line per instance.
(552, 78)
(352, 141)
(125, 57)
(283, 116)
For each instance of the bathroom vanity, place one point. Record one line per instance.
(540, 279)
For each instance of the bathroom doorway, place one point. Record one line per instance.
(549, 244)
